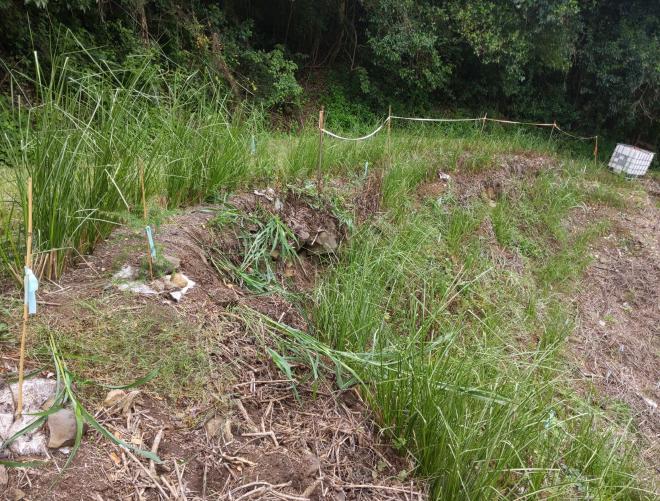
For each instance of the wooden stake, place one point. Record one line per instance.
(596, 151)
(146, 222)
(319, 173)
(389, 139)
(483, 123)
(28, 263)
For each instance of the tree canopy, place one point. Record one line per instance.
(589, 64)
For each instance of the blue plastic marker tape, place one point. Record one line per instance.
(150, 239)
(30, 285)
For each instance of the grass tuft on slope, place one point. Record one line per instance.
(460, 356)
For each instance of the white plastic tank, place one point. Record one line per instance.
(630, 160)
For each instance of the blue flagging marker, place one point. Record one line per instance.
(30, 285)
(150, 239)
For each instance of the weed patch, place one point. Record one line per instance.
(111, 346)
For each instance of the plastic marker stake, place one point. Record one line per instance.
(253, 146)
(366, 168)
(150, 239)
(30, 285)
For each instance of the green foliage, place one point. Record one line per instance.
(593, 65)
(273, 78)
(83, 143)
(66, 396)
(407, 41)
(432, 338)
(272, 242)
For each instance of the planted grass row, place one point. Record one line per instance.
(84, 137)
(83, 142)
(460, 358)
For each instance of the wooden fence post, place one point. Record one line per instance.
(389, 139)
(146, 221)
(596, 151)
(319, 166)
(28, 264)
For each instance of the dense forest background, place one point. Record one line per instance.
(591, 65)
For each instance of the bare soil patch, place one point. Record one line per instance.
(249, 436)
(617, 344)
(495, 182)
(489, 183)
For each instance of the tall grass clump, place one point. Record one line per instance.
(460, 357)
(84, 135)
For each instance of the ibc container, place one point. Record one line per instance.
(630, 160)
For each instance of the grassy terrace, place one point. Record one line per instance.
(459, 355)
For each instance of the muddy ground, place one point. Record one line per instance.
(250, 436)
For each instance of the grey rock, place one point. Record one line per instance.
(179, 280)
(62, 428)
(324, 243)
(36, 392)
(17, 494)
(213, 426)
(113, 397)
(29, 444)
(6, 412)
(127, 272)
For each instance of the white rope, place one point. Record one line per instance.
(332, 134)
(521, 123)
(415, 119)
(482, 119)
(582, 138)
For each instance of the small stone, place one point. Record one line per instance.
(213, 426)
(4, 477)
(62, 428)
(158, 285)
(310, 465)
(113, 397)
(167, 283)
(324, 243)
(17, 494)
(179, 280)
(226, 431)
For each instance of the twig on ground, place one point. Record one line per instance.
(270, 434)
(154, 450)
